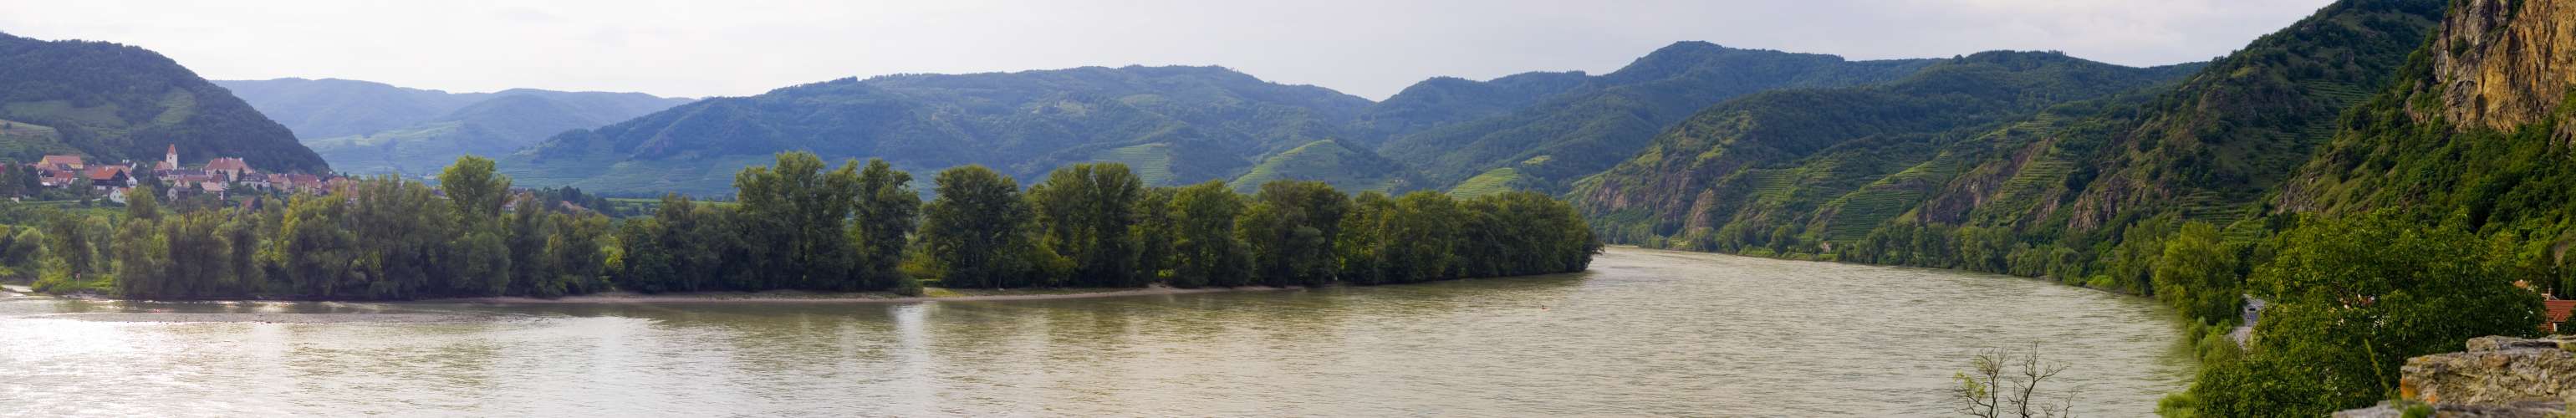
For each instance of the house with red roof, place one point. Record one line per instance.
(2554, 313)
(74, 161)
(230, 168)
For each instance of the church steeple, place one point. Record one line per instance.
(170, 161)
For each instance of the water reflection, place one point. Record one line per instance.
(1645, 332)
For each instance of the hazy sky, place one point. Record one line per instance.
(1366, 48)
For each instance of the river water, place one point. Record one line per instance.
(1643, 333)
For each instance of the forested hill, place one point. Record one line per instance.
(1593, 125)
(2474, 131)
(2067, 183)
(501, 124)
(1174, 124)
(1827, 164)
(112, 101)
(330, 108)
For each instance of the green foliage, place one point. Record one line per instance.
(794, 219)
(2351, 299)
(1290, 228)
(887, 212)
(1087, 213)
(1205, 250)
(2197, 275)
(980, 233)
(474, 187)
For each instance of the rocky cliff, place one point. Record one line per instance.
(2496, 377)
(2503, 64)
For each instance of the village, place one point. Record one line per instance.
(219, 177)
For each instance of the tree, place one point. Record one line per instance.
(576, 255)
(531, 269)
(803, 212)
(1154, 233)
(1422, 236)
(980, 232)
(1290, 229)
(1361, 247)
(2350, 299)
(312, 250)
(474, 187)
(1088, 215)
(1205, 251)
(141, 203)
(2197, 275)
(2001, 383)
(887, 212)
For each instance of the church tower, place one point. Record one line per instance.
(170, 161)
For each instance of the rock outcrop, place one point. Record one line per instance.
(2504, 64)
(2496, 377)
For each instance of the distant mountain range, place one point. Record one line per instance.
(112, 101)
(1173, 124)
(1179, 125)
(368, 127)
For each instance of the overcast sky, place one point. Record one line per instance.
(1366, 48)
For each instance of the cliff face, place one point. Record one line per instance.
(2503, 64)
(2497, 377)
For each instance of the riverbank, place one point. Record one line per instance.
(797, 296)
(791, 296)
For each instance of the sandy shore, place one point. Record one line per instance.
(792, 296)
(276, 317)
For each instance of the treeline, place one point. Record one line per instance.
(799, 224)
(1087, 225)
(380, 238)
(2348, 298)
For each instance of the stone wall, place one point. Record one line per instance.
(2496, 377)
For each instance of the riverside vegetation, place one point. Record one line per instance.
(798, 224)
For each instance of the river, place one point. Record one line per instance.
(1643, 333)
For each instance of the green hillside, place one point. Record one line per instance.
(1331, 162)
(1593, 126)
(1767, 166)
(1213, 123)
(112, 101)
(497, 126)
(1444, 101)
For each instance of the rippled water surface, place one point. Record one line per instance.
(1643, 333)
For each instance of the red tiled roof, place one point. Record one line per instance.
(2558, 310)
(104, 172)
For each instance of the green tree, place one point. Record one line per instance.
(1205, 250)
(1361, 247)
(1088, 215)
(531, 270)
(1154, 229)
(142, 203)
(1290, 229)
(2350, 300)
(475, 187)
(980, 233)
(2197, 275)
(1423, 236)
(803, 213)
(887, 212)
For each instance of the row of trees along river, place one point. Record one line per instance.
(799, 224)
